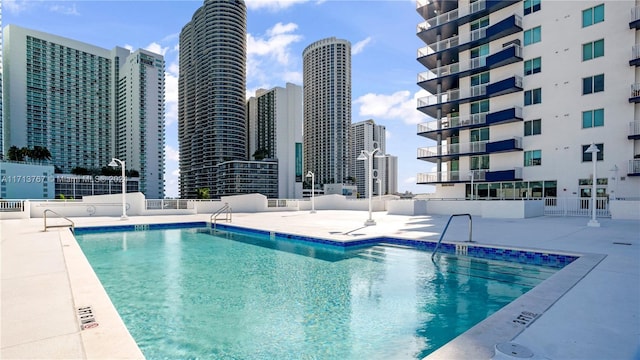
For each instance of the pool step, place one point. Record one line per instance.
(529, 275)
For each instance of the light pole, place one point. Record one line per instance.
(593, 150)
(615, 179)
(313, 191)
(114, 162)
(368, 155)
(379, 189)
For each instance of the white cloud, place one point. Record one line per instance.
(128, 47)
(360, 45)
(397, 106)
(171, 153)
(156, 48)
(269, 56)
(16, 6)
(65, 10)
(271, 5)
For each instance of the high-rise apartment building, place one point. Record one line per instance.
(211, 93)
(521, 89)
(327, 110)
(366, 135)
(85, 104)
(275, 132)
(140, 119)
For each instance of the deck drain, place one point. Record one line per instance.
(511, 351)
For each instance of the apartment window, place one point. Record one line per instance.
(480, 134)
(587, 156)
(531, 6)
(593, 15)
(532, 127)
(533, 36)
(592, 118)
(533, 158)
(592, 50)
(593, 84)
(480, 162)
(480, 51)
(480, 23)
(532, 97)
(480, 79)
(480, 106)
(532, 66)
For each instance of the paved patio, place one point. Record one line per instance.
(54, 307)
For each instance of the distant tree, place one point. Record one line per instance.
(110, 171)
(40, 153)
(132, 173)
(260, 154)
(14, 154)
(203, 193)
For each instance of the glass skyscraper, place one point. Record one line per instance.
(211, 93)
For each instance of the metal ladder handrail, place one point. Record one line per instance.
(226, 209)
(62, 216)
(445, 230)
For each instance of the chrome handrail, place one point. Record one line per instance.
(226, 209)
(445, 230)
(62, 216)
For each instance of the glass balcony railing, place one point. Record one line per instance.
(453, 149)
(452, 69)
(451, 15)
(634, 166)
(634, 128)
(635, 90)
(450, 176)
(635, 14)
(452, 95)
(635, 52)
(453, 122)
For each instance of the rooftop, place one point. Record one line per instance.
(49, 290)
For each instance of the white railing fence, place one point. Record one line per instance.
(166, 204)
(11, 206)
(566, 206)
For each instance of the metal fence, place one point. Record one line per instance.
(165, 204)
(565, 206)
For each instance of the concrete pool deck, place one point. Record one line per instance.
(48, 288)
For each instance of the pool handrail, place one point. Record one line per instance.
(226, 210)
(72, 225)
(445, 230)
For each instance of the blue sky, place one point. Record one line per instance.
(382, 35)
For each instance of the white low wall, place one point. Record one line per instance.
(248, 203)
(340, 202)
(486, 209)
(514, 209)
(624, 210)
(407, 207)
(99, 205)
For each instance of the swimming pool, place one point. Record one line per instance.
(187, 293)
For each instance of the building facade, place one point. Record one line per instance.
(520, 90)
(63, 95)
(275, 132)
(367, 136)
(140, 119)
(327, 110)
(211, 93)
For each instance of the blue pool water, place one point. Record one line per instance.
(185, 293)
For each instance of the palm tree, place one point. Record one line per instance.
(203, 193)
(40, 153)
(14, 154)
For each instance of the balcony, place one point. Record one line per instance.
(634, 167)
(449, 100)
(635, 55)
(452, 151)
(635, 93)
(514, 174)
(448, 49)
(450, 177)
(634, 22)
(505, 86)
(448, 74)
(449, 152)
(450, 125)
(447, 23)
(634, 130)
